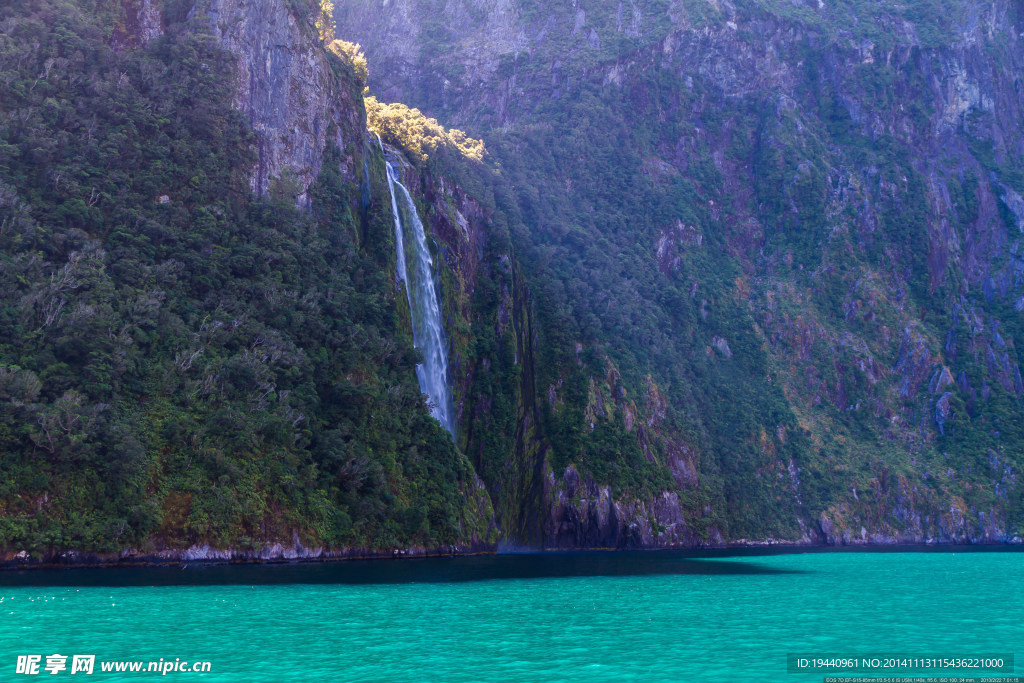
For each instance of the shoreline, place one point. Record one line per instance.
(278, 555)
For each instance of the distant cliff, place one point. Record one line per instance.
(774, 250)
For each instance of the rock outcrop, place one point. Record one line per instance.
(296, 100)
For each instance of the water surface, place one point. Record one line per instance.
(659, 616)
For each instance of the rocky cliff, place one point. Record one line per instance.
(790, 232)
(295, 100)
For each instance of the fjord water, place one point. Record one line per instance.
(659, 616)
(424, 302)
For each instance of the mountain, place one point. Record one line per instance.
(201, 348)
(704, 273)
(774, 247)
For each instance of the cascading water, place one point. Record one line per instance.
(424, 303)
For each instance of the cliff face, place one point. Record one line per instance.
(789, 241)
(409, 43)
(295, 100)
(488, 313)
(191, 366)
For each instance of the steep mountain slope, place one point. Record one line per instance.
(190, 365)
(722, 272)
(774, 250)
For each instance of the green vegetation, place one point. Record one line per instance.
(416, 134)
(682, 279)
(753, 218)
(353, 54)
(180, 362)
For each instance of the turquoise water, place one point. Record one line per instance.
(608, 617)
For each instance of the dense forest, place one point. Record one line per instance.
(709, 272)
(181, 361)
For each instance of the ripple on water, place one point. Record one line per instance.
(650, 617)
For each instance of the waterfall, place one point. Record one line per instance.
(424, 302)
